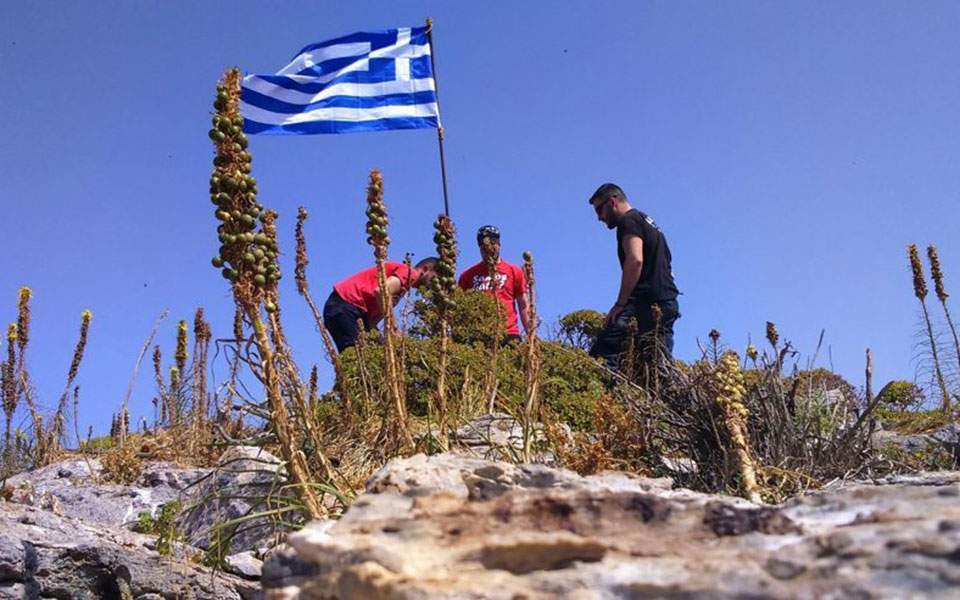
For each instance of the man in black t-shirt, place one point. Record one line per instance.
(646, 278)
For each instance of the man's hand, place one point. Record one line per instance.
(613, 313)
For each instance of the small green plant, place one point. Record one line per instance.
(164, 526)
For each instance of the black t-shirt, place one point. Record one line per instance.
(656, 276)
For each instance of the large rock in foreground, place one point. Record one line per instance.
(454, 527)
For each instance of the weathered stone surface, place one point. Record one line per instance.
(498, 436)
(237, 487)
(244, 564)
(44, 555)
(946, 437)
(450, 527)
(71, 488)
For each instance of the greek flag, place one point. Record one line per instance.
(360, 82)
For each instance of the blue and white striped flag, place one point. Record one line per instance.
(360, 82)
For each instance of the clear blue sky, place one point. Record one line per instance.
(789, 150)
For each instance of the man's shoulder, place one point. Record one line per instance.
(475, 267)
(635, 221)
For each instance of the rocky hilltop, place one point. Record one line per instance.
(455, 527)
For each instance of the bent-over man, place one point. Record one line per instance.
(358, 297)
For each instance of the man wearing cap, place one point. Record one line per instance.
(646, 278)
(358, 297)
(510, 287)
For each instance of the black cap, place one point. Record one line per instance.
(487, 231)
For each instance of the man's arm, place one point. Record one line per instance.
(394, 288)
(632, 266)
(524, 309)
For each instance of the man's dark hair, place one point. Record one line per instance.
(430, 261)
(606, 190)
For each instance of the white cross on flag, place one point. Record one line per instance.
(359, 82)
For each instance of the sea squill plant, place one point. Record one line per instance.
(303, 288)
(248, 260)
(496, 337)
(920, 291)
(59, 421)
(202, 335)
(23, 326)
(377, 237)
(442, 288)
(531, 399)
(730, 399)
(22, 387)
(937, 274)
(10, 387)
(157, 358)
(180, 365)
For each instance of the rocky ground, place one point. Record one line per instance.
(64, 533)
(458, 527)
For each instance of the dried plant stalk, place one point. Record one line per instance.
(920, 291)
(533, 359)
(495, 339)
(377, 237)
(59, 418)
(201, 346)
(937, 274)
(443, 287)
(303, 288)
(248, 260)
(10, 387)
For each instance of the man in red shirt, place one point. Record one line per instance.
(358, 297)
(510, 288)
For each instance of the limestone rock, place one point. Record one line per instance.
(497, 436)
(237, 487)
(452, 527)
(72, 488)
(245, 564)
(44, 555)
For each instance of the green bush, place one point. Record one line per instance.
(570, 380)
(472, 319)
(581, 328)
(900, 395)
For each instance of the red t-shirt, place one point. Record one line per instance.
(511, 285)
(360, 289)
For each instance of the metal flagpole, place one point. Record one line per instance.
(443, 162)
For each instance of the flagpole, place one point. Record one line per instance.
(443, 162)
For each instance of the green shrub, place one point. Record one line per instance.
(900, 395)
(472, 318)
(581, 328)
(571, 382)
